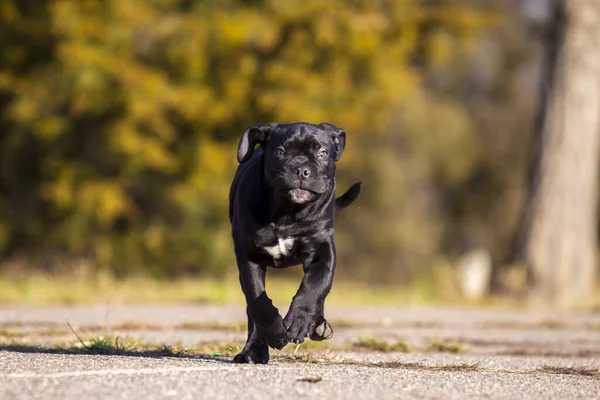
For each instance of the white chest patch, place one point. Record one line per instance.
(281, 248)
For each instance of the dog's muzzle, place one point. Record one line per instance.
(300, 196)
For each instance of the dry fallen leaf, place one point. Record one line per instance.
(310, 380)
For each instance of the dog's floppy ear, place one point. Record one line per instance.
(252, 135)
(338, 135)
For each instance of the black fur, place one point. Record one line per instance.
(281, 208)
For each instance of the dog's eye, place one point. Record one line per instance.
(280, 151)
(323, 153)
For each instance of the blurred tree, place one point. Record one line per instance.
(559, 233)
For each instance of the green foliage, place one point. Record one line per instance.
(120, 121)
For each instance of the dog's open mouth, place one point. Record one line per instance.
(300, 195)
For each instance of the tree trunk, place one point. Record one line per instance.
(560, 240)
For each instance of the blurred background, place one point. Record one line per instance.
(120, 119)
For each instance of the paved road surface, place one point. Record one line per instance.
(503, 354)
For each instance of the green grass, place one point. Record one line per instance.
(310, 345)
(445, 346)
(16, 333)
(47, 289)
(11, 333)
(373, 344)
(44, 289)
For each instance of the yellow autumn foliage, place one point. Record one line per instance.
(120, 119)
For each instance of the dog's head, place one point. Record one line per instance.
(299, 158)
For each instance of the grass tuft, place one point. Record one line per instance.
(370, 343)
(445, 346)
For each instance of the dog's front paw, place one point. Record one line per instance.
(300, 322)
(275, 334)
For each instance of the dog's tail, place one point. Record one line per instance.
(347, 198)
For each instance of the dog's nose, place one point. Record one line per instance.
(302, 172)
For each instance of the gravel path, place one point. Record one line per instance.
(501, 354)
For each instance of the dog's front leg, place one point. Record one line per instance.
(261, 311)
(306, 311)
(256, 349)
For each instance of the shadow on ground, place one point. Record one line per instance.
(105, 347)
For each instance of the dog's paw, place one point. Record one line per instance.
(241, 358)
(257, 354)
(275, 334)
(324, 331)
(299, 324)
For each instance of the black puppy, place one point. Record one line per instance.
(281, 207)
